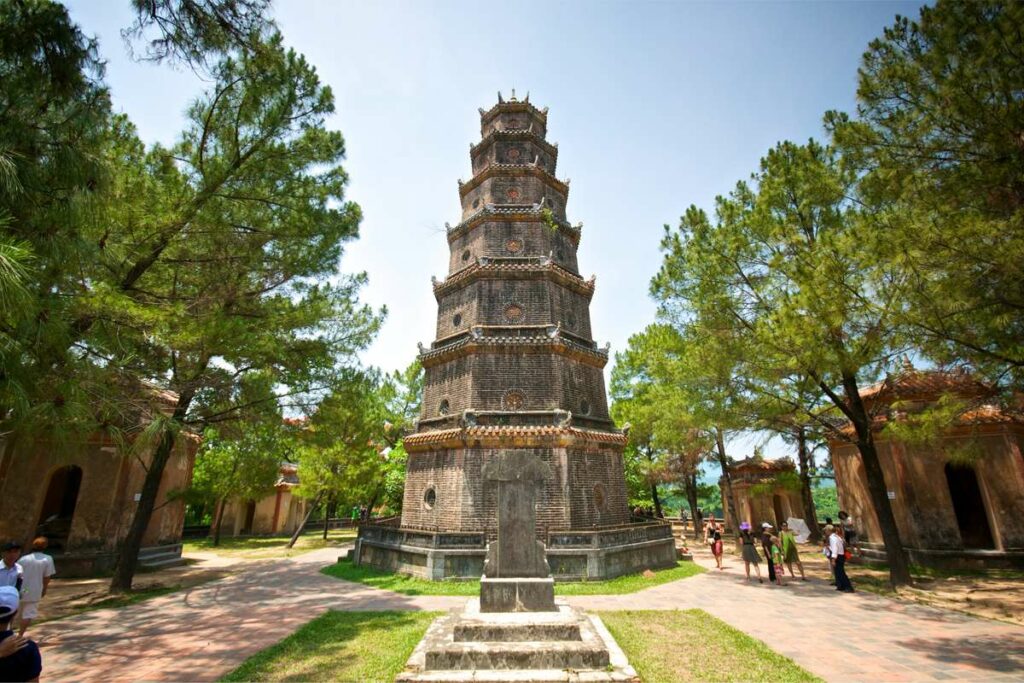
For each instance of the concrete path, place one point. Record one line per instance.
(203, 633)
(837, 636)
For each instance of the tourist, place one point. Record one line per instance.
(837, 549)
(849, 531)
(10, 570)
(770, 546)
(37, 570)
(790, 554)
(827, 551)
(717, 548)
(19, 661)
(749, 550)
(709, 530)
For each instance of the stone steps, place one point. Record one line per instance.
(161, 556)
(502, 647)
(538, 654)
(531, 676)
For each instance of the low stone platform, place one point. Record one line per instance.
(565, 645)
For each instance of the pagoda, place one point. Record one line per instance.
(514, 367)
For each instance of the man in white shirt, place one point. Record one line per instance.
(837, 549)
(10, 570)
(37, 570)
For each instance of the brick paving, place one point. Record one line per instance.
(205, 632)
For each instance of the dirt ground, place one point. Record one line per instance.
(996, 595)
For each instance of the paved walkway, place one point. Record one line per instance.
(202, 633)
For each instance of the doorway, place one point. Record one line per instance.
(250, 514)
(59, 506)
(969, 506)
(780, 517)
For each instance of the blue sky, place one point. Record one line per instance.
(654, 105)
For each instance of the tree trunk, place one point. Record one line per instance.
(220, 517)
(810, 516)
(690, 484)
(732, 514)
(128, 556)
(657, 501)
(899, 567)
(328, 506)
(373, 502)
(309, 513)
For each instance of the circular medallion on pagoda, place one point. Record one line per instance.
(512, 194)
(514, 245)
(512, 155)
(513, 312)
(513, 400)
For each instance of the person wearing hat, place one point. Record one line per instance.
(19, 657)
(10, 570)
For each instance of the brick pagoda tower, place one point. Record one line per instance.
(514, 367)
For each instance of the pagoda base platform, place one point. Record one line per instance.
(560, 645)
(590, 554)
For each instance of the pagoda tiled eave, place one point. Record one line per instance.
(514, 436)
(480, 339)
(516, 134)
(513, 212)
(513, 268)
(514, 171)
(523, 106)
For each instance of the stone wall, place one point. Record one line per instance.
(106, 500)
(584, 491)
(546, 381)
(537, 302)
(923, 504)
(492, 238)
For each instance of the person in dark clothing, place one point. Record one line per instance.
(768, 542)
(837, 548)
(21, 661)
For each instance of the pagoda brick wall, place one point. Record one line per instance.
(463, 503)
(536, 237)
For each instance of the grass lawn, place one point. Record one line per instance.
(408, 585)
(691, 645)
(266, 547)
(340, 646)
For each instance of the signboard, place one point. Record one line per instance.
(891, 494)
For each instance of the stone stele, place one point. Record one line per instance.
(516, 577)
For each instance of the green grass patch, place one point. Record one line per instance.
(409, 585)
(268, 547)
(691, 645)
(340, 646)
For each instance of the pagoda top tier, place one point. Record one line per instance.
(514, 114)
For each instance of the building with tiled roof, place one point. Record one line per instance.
(762, 491)
(514, 365)
(958, 497)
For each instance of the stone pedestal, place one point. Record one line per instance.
(517, 594)
(564, 645)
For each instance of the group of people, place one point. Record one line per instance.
(24, 581)
(780, 550)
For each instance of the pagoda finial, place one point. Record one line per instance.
(500, 101)
(527, 98)
(513, 98)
